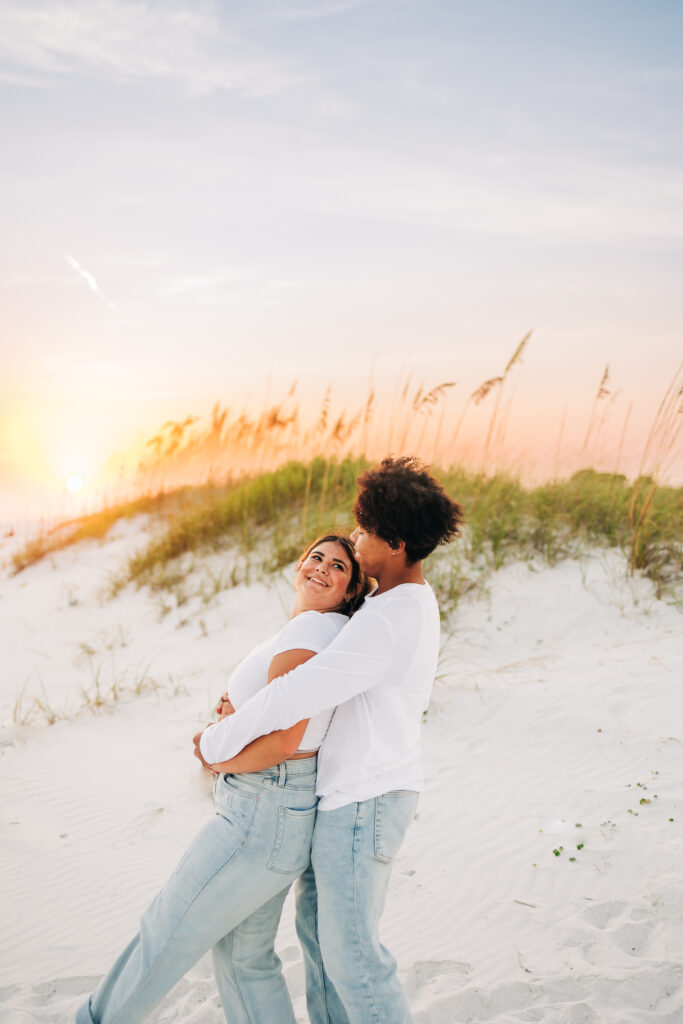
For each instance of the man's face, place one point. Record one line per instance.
(372, 553)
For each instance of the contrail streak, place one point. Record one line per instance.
(90, 281)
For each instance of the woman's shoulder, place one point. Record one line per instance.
(325, 622)
(312, 615)
(312, 629)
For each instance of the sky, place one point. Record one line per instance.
(207, 201)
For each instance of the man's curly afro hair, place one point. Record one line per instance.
(399, 500)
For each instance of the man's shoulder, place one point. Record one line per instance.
(404, 608)
(409, 595)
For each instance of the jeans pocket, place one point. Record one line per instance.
(393, 814)
(292, 847)
(235, 801)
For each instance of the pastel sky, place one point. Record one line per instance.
(208, 200)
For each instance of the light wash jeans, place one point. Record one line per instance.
(226, 894)
(323, 1004)
(353, 851)
(339, 902)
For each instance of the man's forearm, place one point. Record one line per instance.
(225, 739)
(337, 674)
(263, 752)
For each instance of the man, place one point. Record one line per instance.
(378, 672)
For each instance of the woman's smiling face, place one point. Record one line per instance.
(323, 577)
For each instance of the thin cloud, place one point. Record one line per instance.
(320, 9)
(181, 41)
(584, 200)
(206, 284)
(90, 281)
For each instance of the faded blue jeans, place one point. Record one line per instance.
(226, 895)
(353, 852)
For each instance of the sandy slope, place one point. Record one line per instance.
(559, 704)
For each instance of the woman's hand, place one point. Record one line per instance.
(224, 706)
(223, 709)
(198, 754)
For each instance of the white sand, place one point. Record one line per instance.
(558, 695)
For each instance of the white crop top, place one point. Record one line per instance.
(307, 631)
(379, 672)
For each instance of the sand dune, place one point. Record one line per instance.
(556, 722)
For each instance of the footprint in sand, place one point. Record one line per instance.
(602, 915)
(424, 971)
(576, 1013)
(632, 939)
(624, 931)
(597, 998)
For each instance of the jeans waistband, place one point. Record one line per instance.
(291, 770)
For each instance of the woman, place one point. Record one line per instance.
(240, 866)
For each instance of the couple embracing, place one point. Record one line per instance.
(317, 777)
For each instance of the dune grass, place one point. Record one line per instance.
(93, 527)
(282, 483)
(269, 518)
(560, 519)
(291, 502)
(106, 689)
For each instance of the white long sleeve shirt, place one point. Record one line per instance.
(379, 672)
(307, 631)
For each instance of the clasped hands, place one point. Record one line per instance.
(223, 709)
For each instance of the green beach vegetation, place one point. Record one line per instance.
(266, 519)
(262, 485)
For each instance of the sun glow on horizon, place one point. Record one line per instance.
(57, 462)
(74, 483)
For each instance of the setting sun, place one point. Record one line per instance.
(74, 483)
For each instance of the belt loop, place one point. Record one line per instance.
(283, 774)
